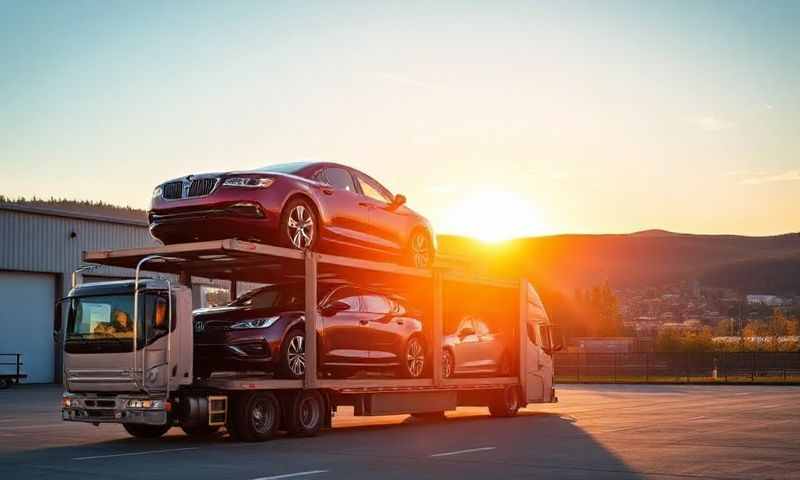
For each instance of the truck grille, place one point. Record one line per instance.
(202, 186)
(172, 190)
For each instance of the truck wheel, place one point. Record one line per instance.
(505, 403)
(200, 430)
(139, 430)
(413, 360)
(4, 383)
(304, 413)
(255, 416)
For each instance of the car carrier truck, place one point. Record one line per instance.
(147, 384)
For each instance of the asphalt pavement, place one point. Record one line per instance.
(595, 431)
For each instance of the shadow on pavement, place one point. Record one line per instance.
(549, 443)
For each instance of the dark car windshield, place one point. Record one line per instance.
(285, 296)
(290, 168)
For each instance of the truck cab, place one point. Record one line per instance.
(124, 352)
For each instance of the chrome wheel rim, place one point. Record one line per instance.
(295, 355)
(300, 227)
(420, 251)
(447, 365)
(262, 416)
(309, 413)
(415, 358)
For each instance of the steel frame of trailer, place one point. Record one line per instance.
(237, 260)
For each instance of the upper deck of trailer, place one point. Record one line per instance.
(233, 259)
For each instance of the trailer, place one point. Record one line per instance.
(150, 387)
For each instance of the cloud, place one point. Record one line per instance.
(787, 176)
(711, 123)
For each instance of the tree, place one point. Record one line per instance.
(725, 328)
(599, 308)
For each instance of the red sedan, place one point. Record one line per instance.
(320, 206)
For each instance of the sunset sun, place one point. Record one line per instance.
(494, 216)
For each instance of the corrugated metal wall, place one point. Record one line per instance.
(34, 242)
(38, 242)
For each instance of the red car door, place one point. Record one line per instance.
(346, 334)
(387, 222)
(349, 213)
(386, 330)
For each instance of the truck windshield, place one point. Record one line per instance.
(104, 323)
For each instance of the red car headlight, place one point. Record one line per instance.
(251, 182)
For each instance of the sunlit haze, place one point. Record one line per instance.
(495, 119)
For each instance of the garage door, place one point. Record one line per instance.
(26, 322)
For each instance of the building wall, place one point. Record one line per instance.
(37, 240)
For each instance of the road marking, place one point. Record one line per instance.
(290, 475)
(696, 418)
(459, 452)
(27, 427)
(147, 452)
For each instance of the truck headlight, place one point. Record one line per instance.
(252, 182)
(255, 323)
(146, 404)
(157, 192)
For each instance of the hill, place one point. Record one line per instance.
(768, 264)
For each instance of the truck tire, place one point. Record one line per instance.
(505, 403)
(200, 430)
(139, 430)
(304, 413)
(255, 417)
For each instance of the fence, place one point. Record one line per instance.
(700, 367)
(10, 375)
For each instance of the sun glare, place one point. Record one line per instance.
(494, 216)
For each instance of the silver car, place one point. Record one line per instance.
(475, 350)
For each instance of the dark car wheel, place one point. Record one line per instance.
(448, 364)
(299, 225)
(139, 430)
(420, 250)
(292, 363)
(413, 360)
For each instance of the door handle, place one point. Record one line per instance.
(399, 322)
(363, 322)
(365, 204)
(327, 191)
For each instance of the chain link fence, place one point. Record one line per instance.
(697, 367)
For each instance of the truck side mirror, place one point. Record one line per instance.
(557, 339)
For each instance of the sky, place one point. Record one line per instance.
(516, 117)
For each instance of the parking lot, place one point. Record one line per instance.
(597, 431)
